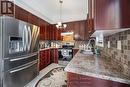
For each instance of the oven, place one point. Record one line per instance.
(66, 52)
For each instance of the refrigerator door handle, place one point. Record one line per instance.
(30, 38)
(25, 38)
(34, 54)
(20, 69)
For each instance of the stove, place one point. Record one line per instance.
(66, 52)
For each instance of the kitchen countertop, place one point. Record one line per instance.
(53, 48)
(49, 48)
(96, 66)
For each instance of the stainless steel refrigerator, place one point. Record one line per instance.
(18, 52)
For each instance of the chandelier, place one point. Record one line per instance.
(61, 25)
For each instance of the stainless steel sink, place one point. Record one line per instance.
(86, 52)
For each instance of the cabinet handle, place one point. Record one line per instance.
(16, 59)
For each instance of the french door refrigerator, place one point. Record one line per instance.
(18, 52)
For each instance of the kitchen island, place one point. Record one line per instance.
(97, 68)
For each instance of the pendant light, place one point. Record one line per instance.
(60, 25)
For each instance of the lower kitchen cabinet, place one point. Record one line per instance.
(47, 57)
(75, 51)
(77, 80)
(44, 59)
(54, 55)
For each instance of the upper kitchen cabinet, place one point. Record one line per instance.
(57, 33)
(26, 16)
(21, 14)
(124, 13)
(90, 17)
(33, 19)
(111, 14)
(104, 17)
(43, 31)
(76, 30)
(49, 32)
(82, 31)
(79, 29)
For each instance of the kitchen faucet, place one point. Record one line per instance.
(90, 44)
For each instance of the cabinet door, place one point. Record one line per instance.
(72, 80)
(42, 32)
(42, 60)
(77, 80)
(70, 27)
(104, 14)
(55, 56)
(23, 15)
(33, 19)
(48, 57)
(124, 13)
(58, 34)
(17, 10)
(75, 51)
(76, 30)
(82, 30)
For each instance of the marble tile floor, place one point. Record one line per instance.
(43, 73)
(57, 77)
(63, 63)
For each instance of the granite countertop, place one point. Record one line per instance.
(96, 66)
(53, 48)
(48, 48)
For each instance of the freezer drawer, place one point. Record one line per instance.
(16, 62)
(21, 76)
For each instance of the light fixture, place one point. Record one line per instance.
(60, 25)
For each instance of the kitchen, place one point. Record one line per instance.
(65, 43)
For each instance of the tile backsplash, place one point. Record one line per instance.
(117, 48)
(79, 43)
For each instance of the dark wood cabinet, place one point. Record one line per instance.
(56, 33)
(124, 13)
(33, 19)
(76, 29)
(44, 59)
(79, 28)
(90, 18)
(111, 14)
(75, 51)
(82, 31)
(54, 55)
(47, 57)
(44, 32)
(21, 14)
(77, 80)
(105, 14)
(50, 32)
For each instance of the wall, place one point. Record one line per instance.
(78, 44)
(121, 55)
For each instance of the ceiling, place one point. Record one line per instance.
(48, 10)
